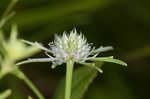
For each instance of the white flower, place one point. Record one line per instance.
(72, 47)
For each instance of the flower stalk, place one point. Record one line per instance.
(34, 89)
(69, 71)
(22, 76)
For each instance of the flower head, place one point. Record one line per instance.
(71, 47)
(12, 50)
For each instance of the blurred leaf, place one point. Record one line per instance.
(113, 86)
(42, 15)
(82, 78)
(5, 94)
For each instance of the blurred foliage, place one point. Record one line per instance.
(82, 78)
(5, 94)
(123, 24)
(13, 50)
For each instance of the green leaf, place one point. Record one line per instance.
(5, 94)
(82, 78)
(108, 59)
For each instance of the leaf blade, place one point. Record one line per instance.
(108, 59)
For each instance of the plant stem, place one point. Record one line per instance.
(9, 8)
(30, 84)
(69, 71)
(7, 13)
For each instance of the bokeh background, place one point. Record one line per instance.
(124, 24)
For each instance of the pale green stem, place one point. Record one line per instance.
(69, 71)
(5, 94)
(30, 84)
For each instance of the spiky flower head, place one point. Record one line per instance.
(71, 46)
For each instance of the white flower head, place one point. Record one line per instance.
(71, 46)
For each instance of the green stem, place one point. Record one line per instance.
(7, 15)
(69, 71)
(30, 84)
(9, 8)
